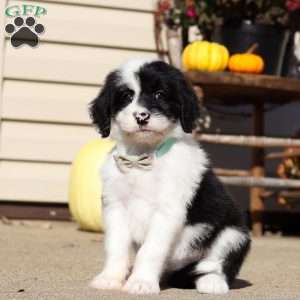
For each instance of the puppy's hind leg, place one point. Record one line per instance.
(222, 263)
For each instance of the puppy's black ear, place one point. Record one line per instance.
(189, 109)
(101, 108)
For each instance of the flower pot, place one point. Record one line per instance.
(174, 46)
(291, 64)
(272, 42)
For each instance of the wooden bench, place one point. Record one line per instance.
(257, 90)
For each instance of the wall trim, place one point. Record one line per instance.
(34, 211)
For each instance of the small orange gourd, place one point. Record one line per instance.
(246, 62)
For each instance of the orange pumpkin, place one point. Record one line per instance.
(246, 63)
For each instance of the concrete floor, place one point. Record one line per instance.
(40, 261)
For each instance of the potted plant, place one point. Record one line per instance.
(248, 22)
(291, 64)
(182, 17)
(184, 14)
(238, 24)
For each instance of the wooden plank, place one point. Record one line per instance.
(267, 82)
(245, 88)
(44, 142)
(258, 171)
(47, 101)
(279, 155)
(231, 172)
(145, 5)
(285, 194)
(255, 181)
(33, 211)
(252, 141)
(65, 63)
(34, 182)
(290, 194)
(97, 26)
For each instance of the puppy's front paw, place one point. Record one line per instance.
(139, 286)
(212, 284)
(104, 282)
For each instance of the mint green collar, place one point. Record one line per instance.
(162, 149)
(165, 146)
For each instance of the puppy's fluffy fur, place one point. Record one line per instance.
(175, 222)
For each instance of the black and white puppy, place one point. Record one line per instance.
(166, 214)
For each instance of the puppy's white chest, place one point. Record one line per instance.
(165, 189)
(140, 206)
(138, 192)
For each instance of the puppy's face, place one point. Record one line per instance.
(144, 101)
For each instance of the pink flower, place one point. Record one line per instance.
(191, 12)
(164, 5)
(293, 4)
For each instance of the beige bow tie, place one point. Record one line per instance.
(125, 163)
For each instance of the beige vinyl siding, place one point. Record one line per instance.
(47, 102)
(2, 44)
(97, 26)
(31, 181)
(43, 142)
(65, 63)
(46, 90)
(138, 5)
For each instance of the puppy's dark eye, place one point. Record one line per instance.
(127, 95)
(159, 95)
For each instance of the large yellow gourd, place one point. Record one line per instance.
(85, 184)
(205, 56)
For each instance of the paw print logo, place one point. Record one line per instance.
(24, 31)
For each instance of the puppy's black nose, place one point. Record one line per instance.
(142, 118)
